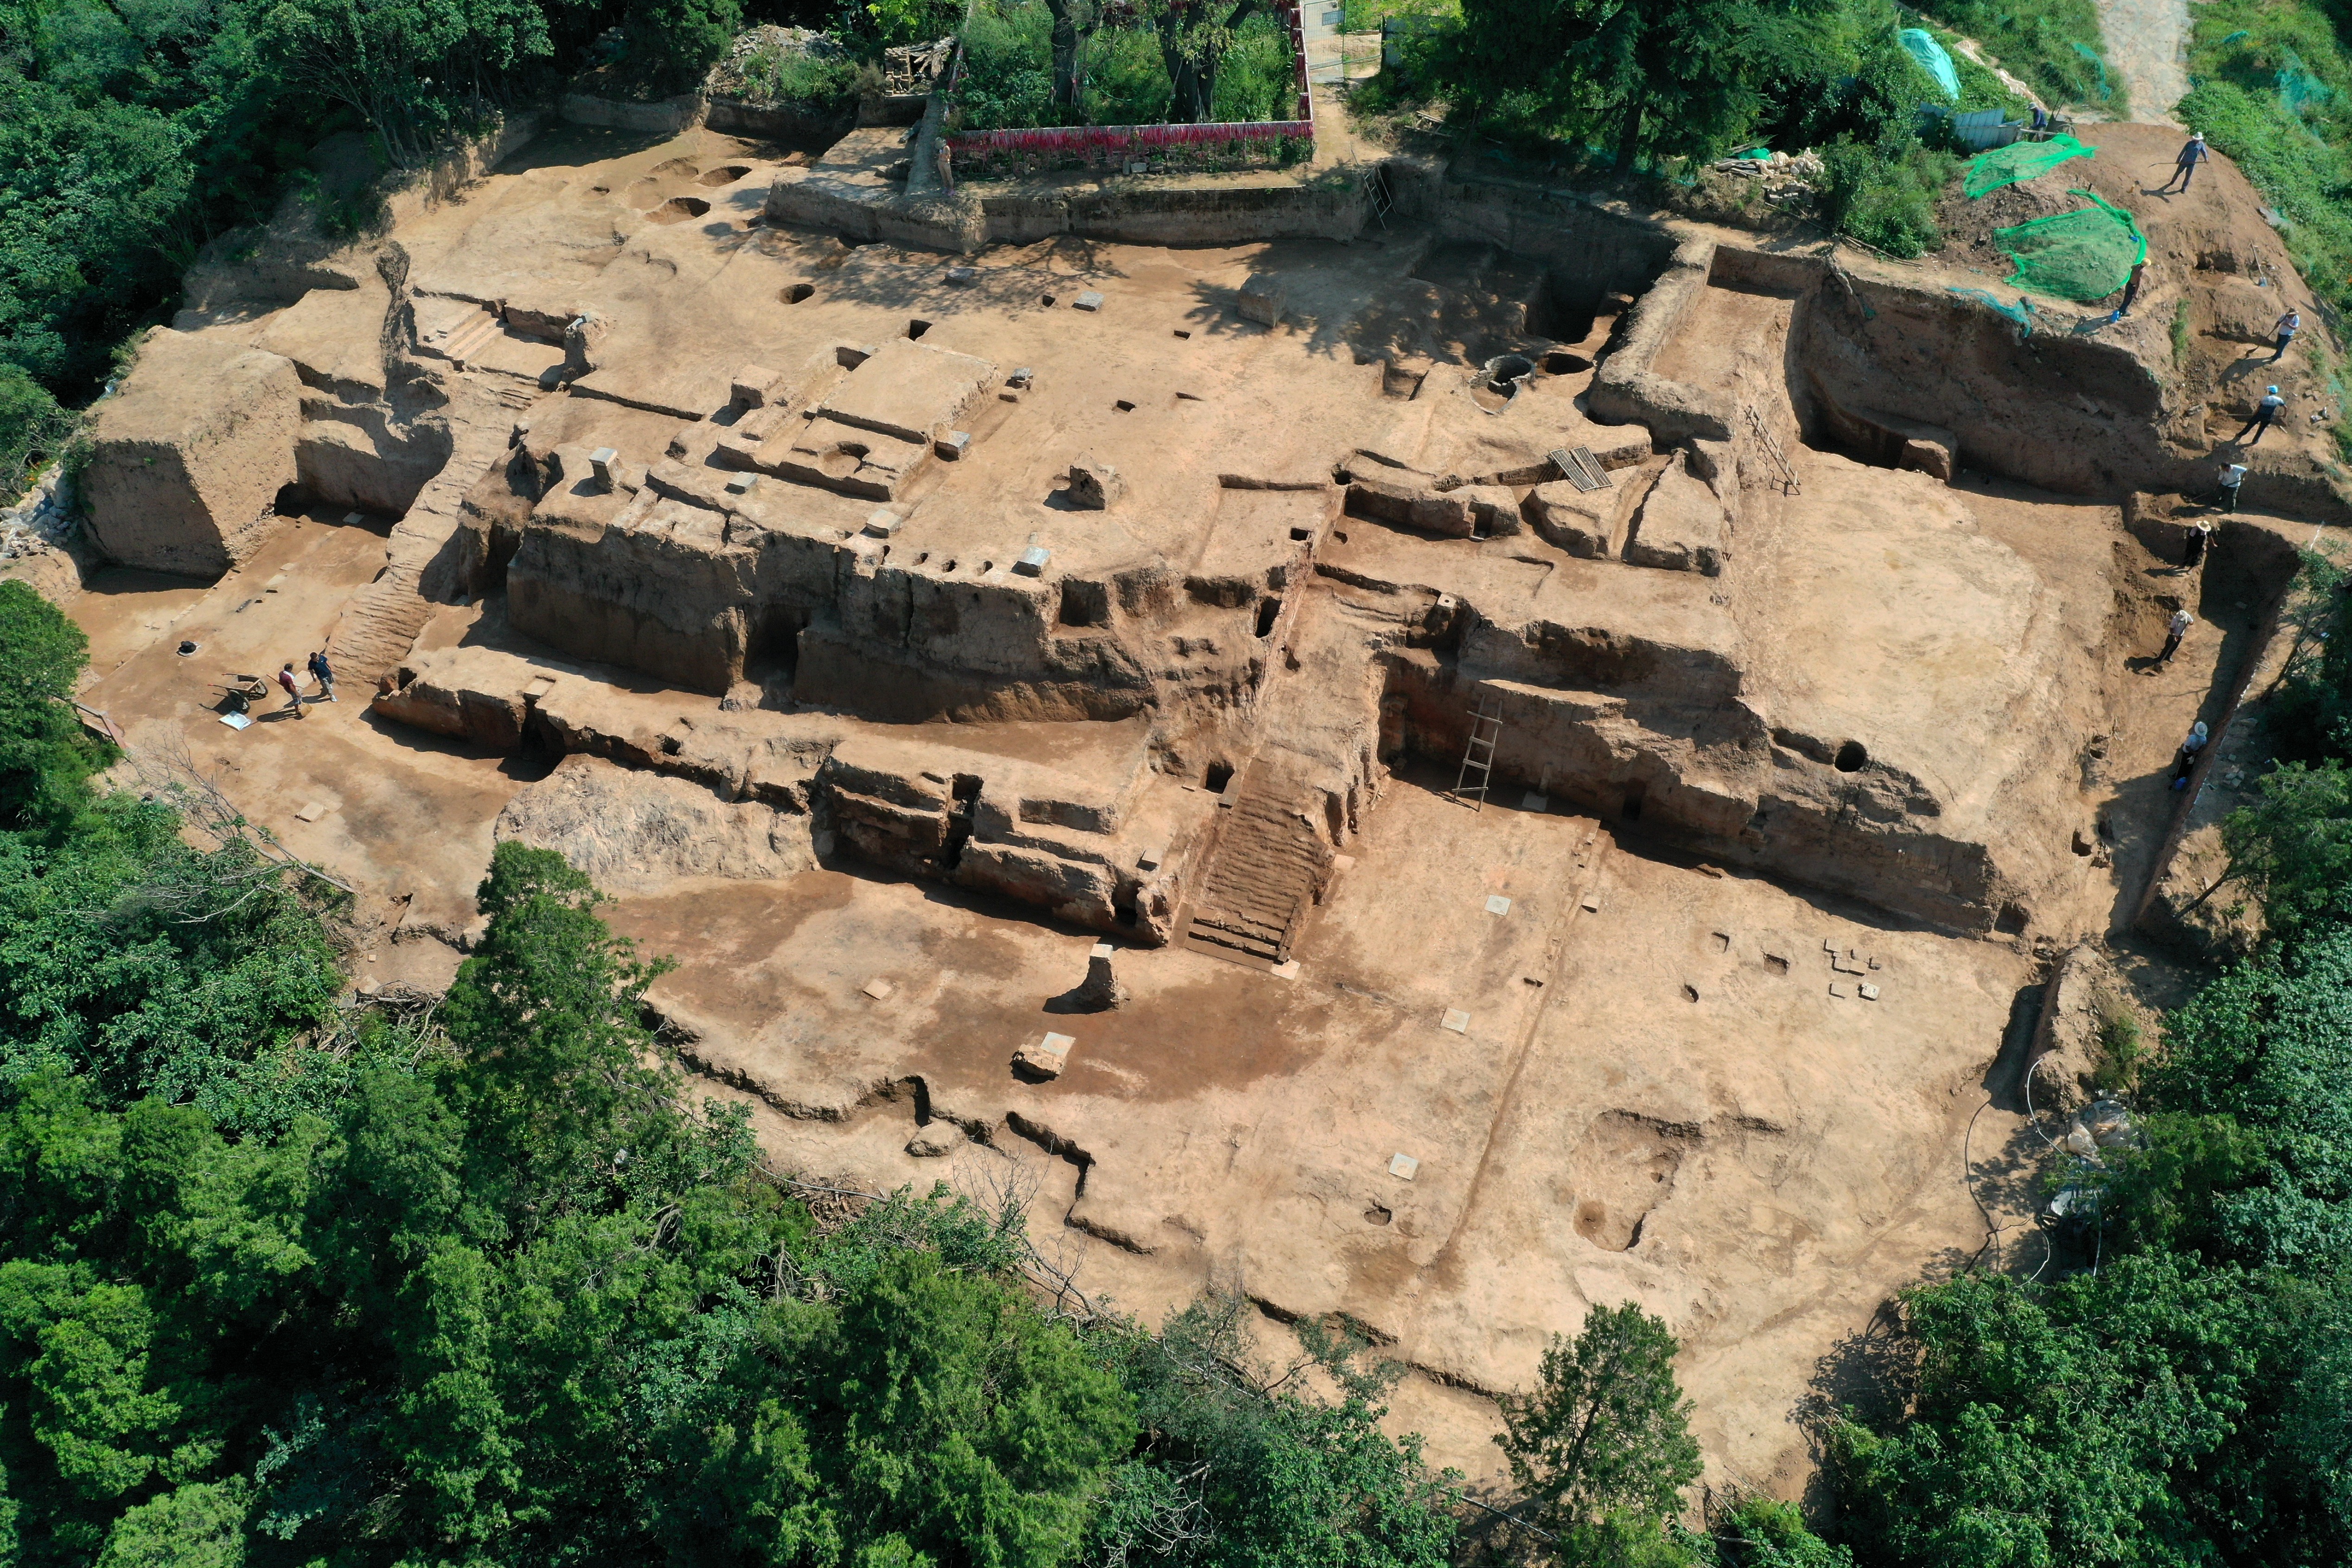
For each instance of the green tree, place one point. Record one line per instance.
(1759, 1532)
(2293, 846)
(42, 755)
(200, 1525)
(1606, 1429)
(673, 42)
(33, 428)
(2316, 1431)
(2185, 1402)
(1283, 1477)
(2033, 1438)
(1665, 78)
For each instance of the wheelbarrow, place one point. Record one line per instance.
(237, 693)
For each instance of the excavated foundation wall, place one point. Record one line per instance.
(1636, 749)
(1587, 253)
(1664, 734)
(645, 578)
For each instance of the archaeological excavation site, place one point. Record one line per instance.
(1433, 750)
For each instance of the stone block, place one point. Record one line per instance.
(1095, 486)
(1262, 299)
(952, 444)
(1099, 991)
(1033, 561)
(1930, 455)
(1045, 1057)
(1089, 301)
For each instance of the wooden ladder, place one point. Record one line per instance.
(1773, 449)
(1486, 729)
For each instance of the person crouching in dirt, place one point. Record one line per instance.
(2173, 632)
(2192, 152)
(2265, 412)
(2184, 761)
(286, 678)
(323, 673)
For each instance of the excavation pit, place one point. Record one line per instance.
(1783, 674)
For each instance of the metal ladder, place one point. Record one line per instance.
(1376, 186)
(1481, 736)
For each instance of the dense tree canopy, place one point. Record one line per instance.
(286, 1277)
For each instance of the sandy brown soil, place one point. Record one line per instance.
(1621, 1061)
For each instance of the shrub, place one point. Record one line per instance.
(673, 42)
(2122, 1051)
(1884, 196)
(33, 428)
(1127, 81)
(771, 75)
(2054, 45)
(1008, 58)
(1256, 80)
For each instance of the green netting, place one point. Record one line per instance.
(2298, 90)
(2020, 161)
(2084, 254)
(1921, 45)
(2022, 314)
(2098, 64)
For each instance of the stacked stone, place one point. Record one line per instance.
(42, 519)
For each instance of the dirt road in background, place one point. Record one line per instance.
(2147, 43)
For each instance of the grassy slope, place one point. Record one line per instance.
(2053, 46)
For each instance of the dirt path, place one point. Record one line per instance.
(2148, 42)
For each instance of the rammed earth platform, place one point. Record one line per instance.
(885, 626)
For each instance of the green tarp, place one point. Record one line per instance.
(2020, 161)
(1921, 45)
(2084, 254)
(2022, 313)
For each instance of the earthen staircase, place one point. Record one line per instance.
(1268, 869)
(462, 330)
(379, 624)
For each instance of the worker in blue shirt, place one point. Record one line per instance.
(2192, 153)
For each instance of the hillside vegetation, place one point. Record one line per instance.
(131, 135)
(1657, 86)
